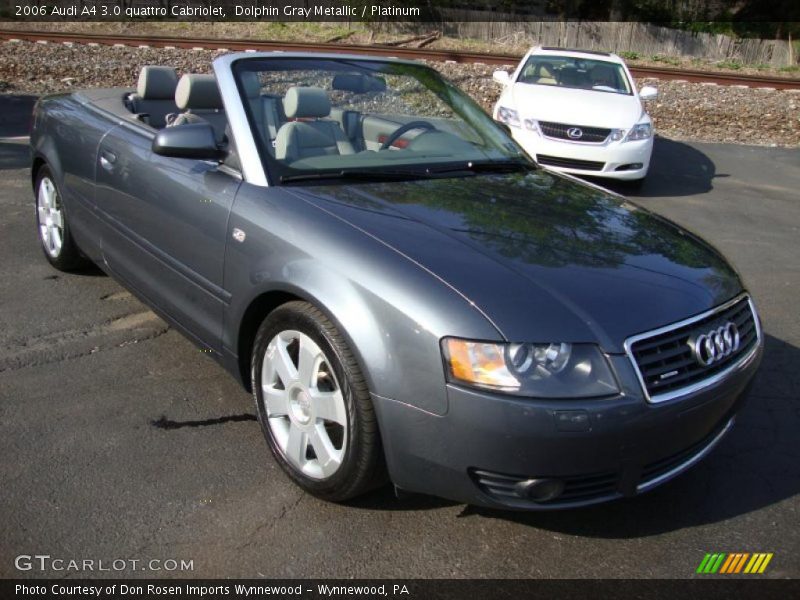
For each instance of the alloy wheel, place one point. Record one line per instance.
(304, 404)
(51, 218)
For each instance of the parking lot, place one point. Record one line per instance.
(120, 440)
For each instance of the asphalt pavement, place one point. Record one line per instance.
(120, 440)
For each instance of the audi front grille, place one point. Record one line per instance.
(560, 131)
(692, 354)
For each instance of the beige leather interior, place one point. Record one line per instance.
(312, 136)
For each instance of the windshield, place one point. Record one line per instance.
(577, 73)
(340, 118)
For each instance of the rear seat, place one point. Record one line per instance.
(198, 96)
(155, 95)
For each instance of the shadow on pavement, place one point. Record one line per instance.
(676, 169)
(757, 465)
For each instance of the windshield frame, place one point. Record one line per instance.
(465, 108)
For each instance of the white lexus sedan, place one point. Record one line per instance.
(578, 111)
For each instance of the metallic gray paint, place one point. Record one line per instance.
(397, 266)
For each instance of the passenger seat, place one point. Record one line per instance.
(311, 136)
(264, 109)
(155, 95)
(198, 96)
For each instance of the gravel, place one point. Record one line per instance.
(687, 111)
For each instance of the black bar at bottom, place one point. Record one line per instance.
(707, 588)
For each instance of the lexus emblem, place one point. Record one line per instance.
(575, 133)
(716, 344)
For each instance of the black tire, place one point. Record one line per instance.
(68, 257)
(362, 467)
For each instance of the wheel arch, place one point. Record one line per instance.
(264, 303)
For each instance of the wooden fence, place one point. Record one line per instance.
(642, 38)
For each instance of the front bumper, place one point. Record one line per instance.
(609, 157)
(599, 450)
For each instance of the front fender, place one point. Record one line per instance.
(392, 312)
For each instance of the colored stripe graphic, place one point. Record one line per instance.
(734, 563)
(728, 564)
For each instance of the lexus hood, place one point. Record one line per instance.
(545, 258)
(561, 105)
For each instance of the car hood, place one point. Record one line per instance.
(543, 257)
(561, 105)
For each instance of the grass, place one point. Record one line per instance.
(628, 55)
(668, 60)
(733, 65)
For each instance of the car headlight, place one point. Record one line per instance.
(549, 370)
(642, 131)
(532, 125)
(508, 116)
(616, 135)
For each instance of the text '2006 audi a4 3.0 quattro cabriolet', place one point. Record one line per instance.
(406, 294)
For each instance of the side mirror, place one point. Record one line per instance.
(648, 92)
(501, 77)
(193, 140)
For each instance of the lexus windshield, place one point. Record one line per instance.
(367, 119)
(576, 73)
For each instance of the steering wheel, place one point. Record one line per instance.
(398, 133)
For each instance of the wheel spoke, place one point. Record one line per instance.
(55, 235)
(329, 405)
(328, 456)
(308, 362)
(48, 238)
(276, 401)
(55, 216)
(44, 200)
(283, 364)
(42, 211)
(296, 446)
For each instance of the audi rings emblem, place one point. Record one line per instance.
(716, 344)
(575, 133)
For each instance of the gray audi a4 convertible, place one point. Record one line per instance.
(406, 294)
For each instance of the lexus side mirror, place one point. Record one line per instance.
(501, 77)
(193, 140)
(648, 92)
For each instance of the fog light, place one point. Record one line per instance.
(540, 490)
(629, 167)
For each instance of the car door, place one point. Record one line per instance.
(166, 222)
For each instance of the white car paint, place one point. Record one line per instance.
(579, 108)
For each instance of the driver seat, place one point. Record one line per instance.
(299, 139)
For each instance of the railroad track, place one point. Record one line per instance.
(377, 49)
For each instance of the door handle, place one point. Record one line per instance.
(107, 160)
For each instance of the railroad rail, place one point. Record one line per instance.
(379, 50)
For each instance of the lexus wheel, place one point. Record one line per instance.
(313, 404)
(51, 220)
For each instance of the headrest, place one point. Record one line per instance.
(358, 83)
(198, 92)
(251, 84)
(157, 83)
(305, 102)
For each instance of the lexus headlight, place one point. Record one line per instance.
(616, 135)
(642, 131)
(508, 116)
(532, 125)
(549, 370)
